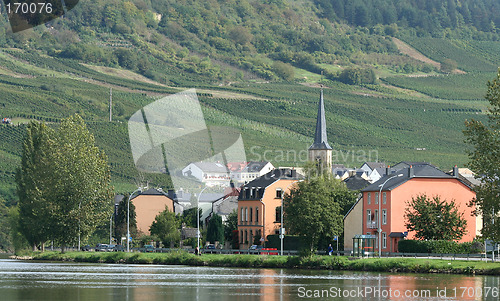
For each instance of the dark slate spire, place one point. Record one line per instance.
(320, 139)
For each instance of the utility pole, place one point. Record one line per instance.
(110, 104)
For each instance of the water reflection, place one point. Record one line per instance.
(69, 281)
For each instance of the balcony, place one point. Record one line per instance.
(371, 225)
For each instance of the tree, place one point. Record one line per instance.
(434, 219)
(33, 185)
(240, 35)
(63, 183)
(166, 227)
(121, 219)
(189, 217)
(313, 209)
(230, 225)
(283, 70)
(215, 229)
(5, 239)
(484, 161)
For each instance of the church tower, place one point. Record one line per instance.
(320, 151)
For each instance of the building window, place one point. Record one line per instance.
(251, 237)
(384, 197)
(241, 236)
(279, 193)
(384, 216)
(242, 216)
(368, 216)
(278, 214)
(246, 236)
(384, 240)
(257, 214)
(376, 216)
(251, 215)
(369, 197)
(376, 197)
(246, 214)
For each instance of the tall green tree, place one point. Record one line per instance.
(313, 209)
(33, 180)
(434, 219)
(166, 227)
(189, 217)
(5, 231)
(230, 225)
(121, 219)
(484, 160)
(215, 229)
(64, 183)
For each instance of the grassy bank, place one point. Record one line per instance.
(396, 265)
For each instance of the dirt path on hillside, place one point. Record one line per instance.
(414, 53)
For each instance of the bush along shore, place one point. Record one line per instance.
(393, 265)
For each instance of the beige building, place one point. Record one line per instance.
(352, 226)
(148, 205)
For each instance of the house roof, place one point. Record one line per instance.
(255, 166)
(154, 191)
(356, 182)
(227, 205)
(406, 164)
(422, 171)
(269, 178)
(206, 197)
(375, 165)
(236, 166)
(211, 167)
(273, 176)
(320, 139)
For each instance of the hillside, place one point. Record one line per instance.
(256, 66)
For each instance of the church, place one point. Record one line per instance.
(259, 201)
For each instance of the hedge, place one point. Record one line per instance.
(439, 246)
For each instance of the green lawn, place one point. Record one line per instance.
(397, 265)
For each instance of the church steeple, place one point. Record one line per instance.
(320, 139)
(320, 151)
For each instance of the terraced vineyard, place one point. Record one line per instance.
(470, 86)
(276, 120)
(468, 54)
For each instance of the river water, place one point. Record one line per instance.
(27, 280)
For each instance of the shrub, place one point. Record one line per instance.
(438, 246)
(290, 242)
(357, 76)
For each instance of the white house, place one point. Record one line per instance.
(209, 173)
(243, 174)
(373, 170)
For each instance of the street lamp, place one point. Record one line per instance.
(128, 216)
(380, 213)
(79, 217)
(111, 227)
(198, 219)
(282, 234)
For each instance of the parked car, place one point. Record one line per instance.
(101, 248)
(255, 247)
(149, 248)
(119, 248)
(211, 247)
(86, 248)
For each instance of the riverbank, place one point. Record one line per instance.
(393, 265)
